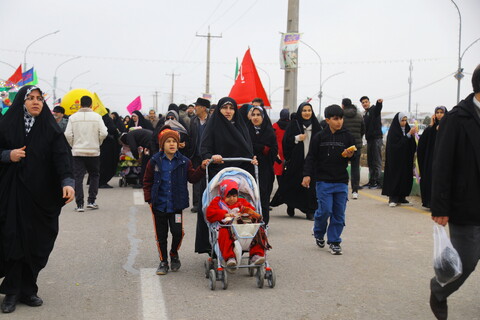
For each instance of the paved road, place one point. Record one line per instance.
(104, 261)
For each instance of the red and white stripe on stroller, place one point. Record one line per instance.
(215, 265)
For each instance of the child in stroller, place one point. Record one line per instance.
(228, 208)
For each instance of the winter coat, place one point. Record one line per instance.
(373, 122)
(456, 165)
(85, 133)
(353, 122)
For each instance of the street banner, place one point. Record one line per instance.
(136, 104)
(289, 50)
(248, 85)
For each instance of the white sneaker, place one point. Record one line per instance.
(355, 195)
(392, 204)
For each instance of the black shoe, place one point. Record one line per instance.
(9, 303)
(194, 209)
(367, 185)
(162, 268)
(335, 249)
(320, 243)
(374, 186)
(439, 308)
(32, 300)
(291, 211)
(105, 186)
(310, 216)
(175, 261)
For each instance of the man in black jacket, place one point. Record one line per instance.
(374, 136)
(456, 187)
(353, 122)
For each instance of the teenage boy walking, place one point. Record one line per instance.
(327, 163)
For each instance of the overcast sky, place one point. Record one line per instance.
(129, 47)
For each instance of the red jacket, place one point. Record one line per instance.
(278, 167)
(215, 211)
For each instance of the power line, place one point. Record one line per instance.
(241, 16)
(399, 95)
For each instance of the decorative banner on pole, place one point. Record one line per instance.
(289, 50)
(248, 85)
(98, 106)
(27, 77)
(15, 78)
(136, 104)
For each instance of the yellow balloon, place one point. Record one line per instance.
(71, 101)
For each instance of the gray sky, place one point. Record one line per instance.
(128, 47)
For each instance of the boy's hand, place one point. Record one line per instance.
(181, 145)
(255, 161)
(217, 158)
(348, 153)
(306, 182)
(204, 164)
(380, 101)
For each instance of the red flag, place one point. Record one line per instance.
(247, 84)
(16, 77)
(136, 104)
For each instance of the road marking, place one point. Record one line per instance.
(153, 303)
(132, 231)
(382, 199)
(138, 199)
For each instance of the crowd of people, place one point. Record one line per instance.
(44, 157)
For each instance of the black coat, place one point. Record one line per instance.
(456, 165)
(109, 151)
(291, 191)
(265, 148)
(426, 146)
(400, 149)
(31, 190)
(373, 122)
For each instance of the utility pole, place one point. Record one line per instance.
(290, 84)
(209, 37)
(410, 87)
(155, 101)
(173, 84)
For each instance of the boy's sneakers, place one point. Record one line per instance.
(79, 208)
(92, 206)
(257, 260)
(335, 249)
(355, 195)
(375, 186)
(175, 261)
(320, 242)
(162, 268)
(392, 204)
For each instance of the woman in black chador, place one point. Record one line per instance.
(36, 180)
(225, 136)
(265, 149)
(400, 149)
(426, 145)
(138, 120)
(296, 143)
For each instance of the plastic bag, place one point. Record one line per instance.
(446, 261)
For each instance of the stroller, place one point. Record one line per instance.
(215, 266)
(129, 168)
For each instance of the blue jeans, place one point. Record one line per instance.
(332, 202)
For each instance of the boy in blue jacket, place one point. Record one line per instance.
(327, 162)
(165, 189)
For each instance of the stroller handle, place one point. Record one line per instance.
(231, 160)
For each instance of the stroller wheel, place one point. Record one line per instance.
(260, 277)
(208, 266)
(271, 278)
(212, 279)
(224, 278)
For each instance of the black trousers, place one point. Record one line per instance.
(355, 170)
(374, 159)
(80, 166)
(162, 222)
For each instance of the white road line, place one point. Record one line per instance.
(138, 199)
(132, 231)
(153, 304)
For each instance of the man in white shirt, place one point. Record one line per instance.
(85, 133)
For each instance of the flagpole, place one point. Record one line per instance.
(25, 54)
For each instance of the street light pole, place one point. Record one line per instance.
(25, 54)
(55, 77)
(81, 74)
(320, 92)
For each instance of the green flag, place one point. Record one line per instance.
(236, 70)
